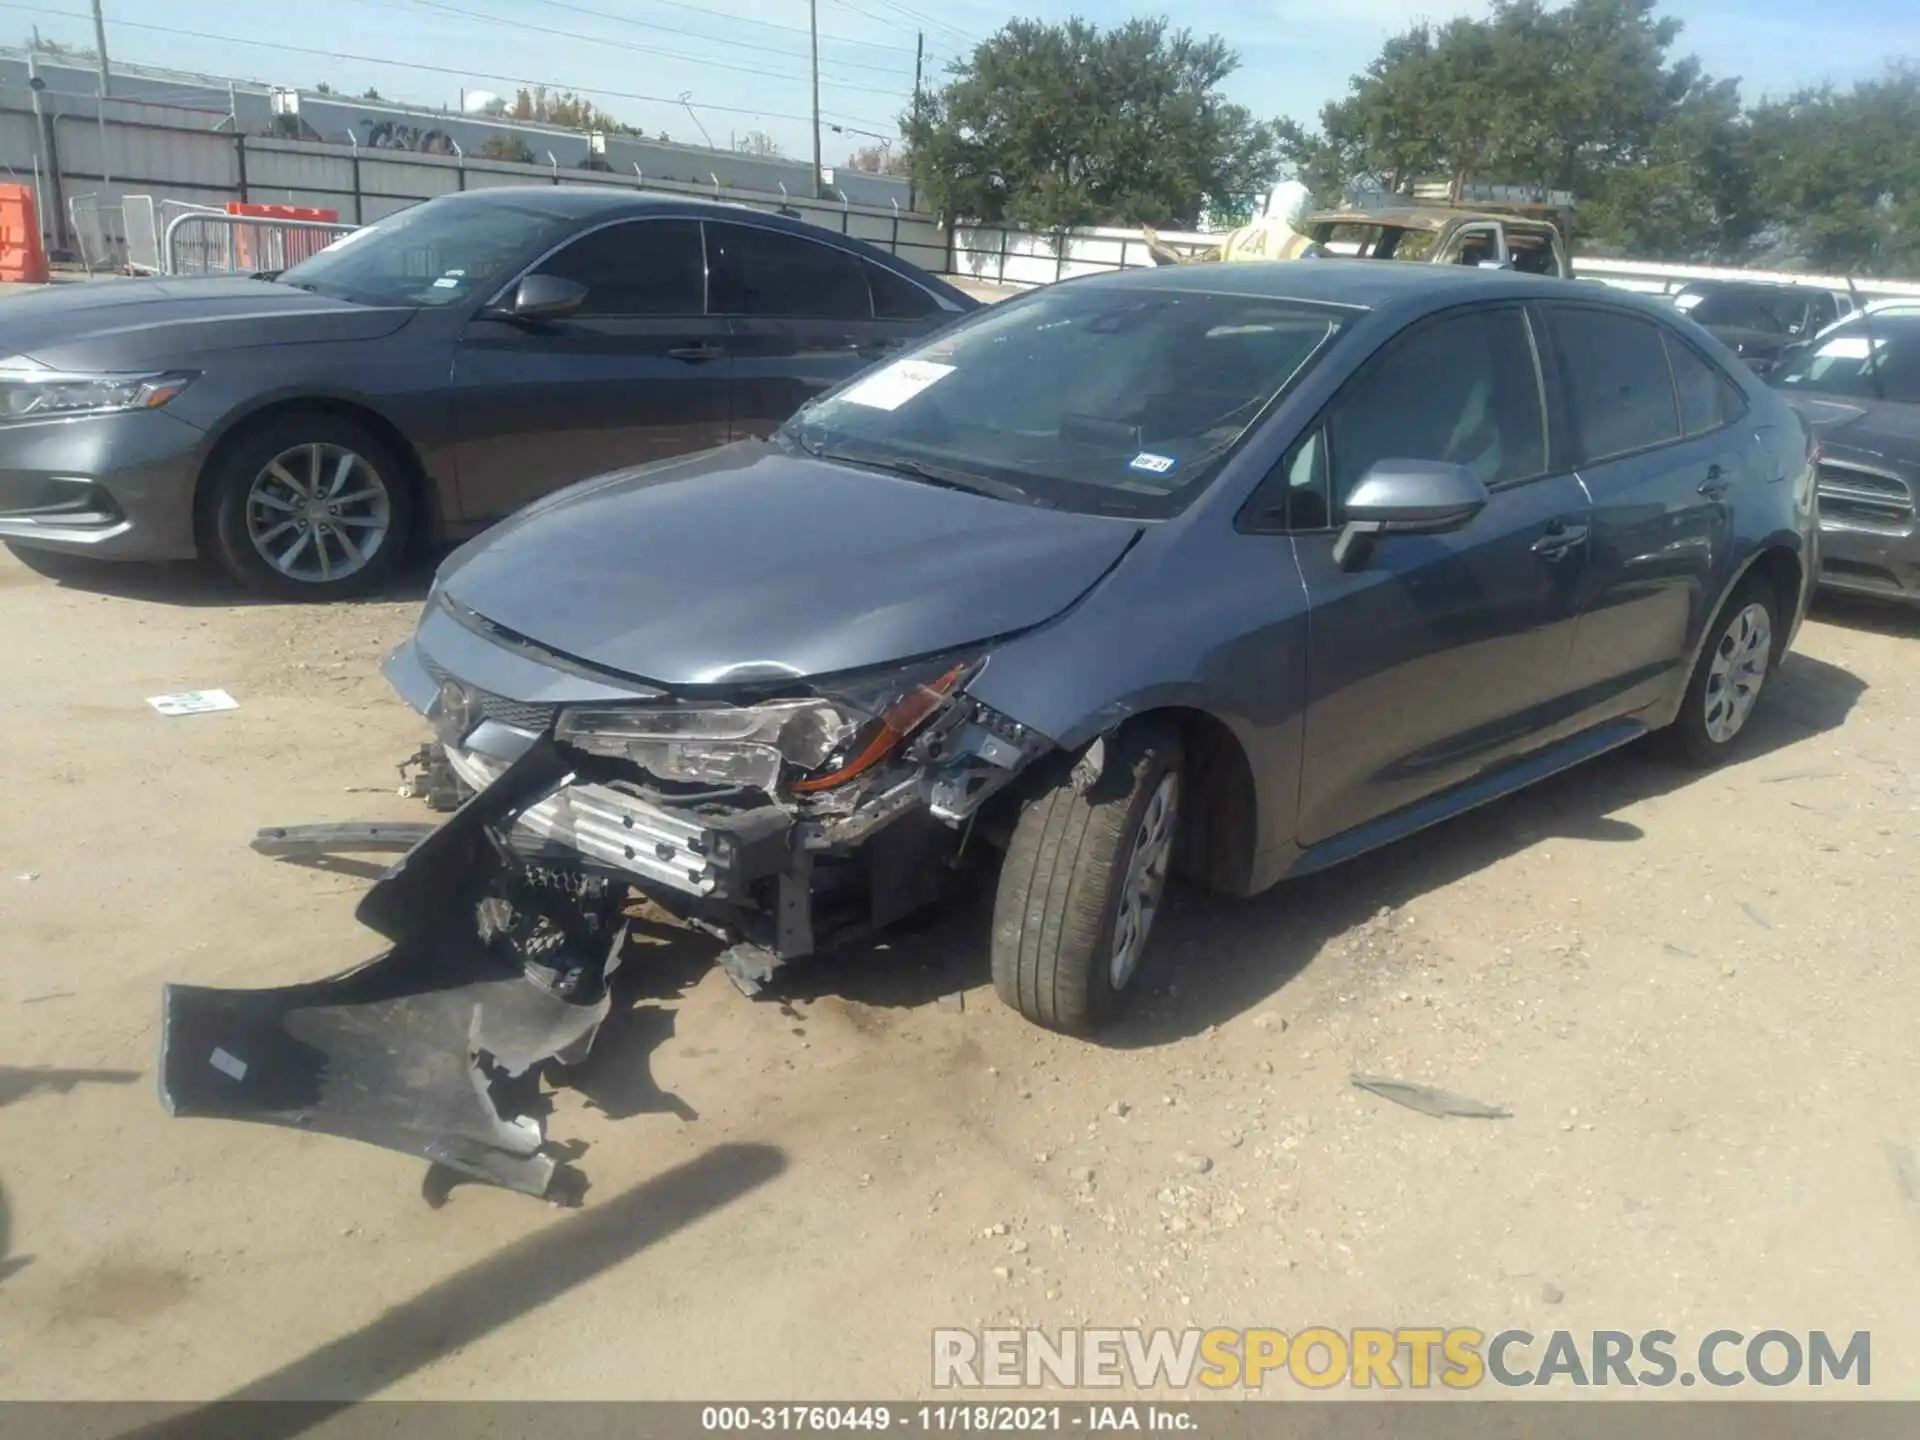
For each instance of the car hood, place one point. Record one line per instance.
(1869, 429)
(124, 324)
(750, 563)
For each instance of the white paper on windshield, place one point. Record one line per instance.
(893, 386)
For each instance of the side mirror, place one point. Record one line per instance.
(1406, 497)
(537, 297)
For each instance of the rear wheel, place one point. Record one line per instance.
(1727, 680)
(1083, 882)
(310, 507)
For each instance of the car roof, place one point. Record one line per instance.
(591, 202)
(1429, 217)
(1767, 286)
(1359, 284)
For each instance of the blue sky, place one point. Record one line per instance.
(744, 61)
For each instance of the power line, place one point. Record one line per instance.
(913, 20)
(708, 10)
(525, 25)
(728, 40)
(424, 68)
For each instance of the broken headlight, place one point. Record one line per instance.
(822, 740)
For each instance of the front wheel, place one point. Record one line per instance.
(310, 507)
(1082, 884)
(1732, 670)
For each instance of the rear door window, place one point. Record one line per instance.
(770, 274)
(638, 267)
(1619, 392)
(1708, 399)
(895, 297)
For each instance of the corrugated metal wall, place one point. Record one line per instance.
(176, 154)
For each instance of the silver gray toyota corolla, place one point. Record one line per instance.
(1231, 570)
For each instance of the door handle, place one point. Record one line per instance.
(698, 352)
(881, 347)
(1560, 540)
(1715, 485)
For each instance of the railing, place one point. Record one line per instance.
(98, 228)
(210, 243)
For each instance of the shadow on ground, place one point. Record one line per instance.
(9, 1262)
(478, 1300)
(17, 1082)
(194, 586)
(1859, 612)
(1214, 958)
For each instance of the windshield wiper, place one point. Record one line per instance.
(944, 476)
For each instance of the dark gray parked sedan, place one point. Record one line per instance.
(1238, 570)
(424, 376)
(1857, 386)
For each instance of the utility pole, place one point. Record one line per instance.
(100, 46)
(919, 53)
(813, 32)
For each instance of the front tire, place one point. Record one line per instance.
(310, 506)
(1728, 678)
(1082, 884)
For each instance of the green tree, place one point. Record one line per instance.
(1053, 126)
(507, 147)
(563, 107)
(1582, 98)
(758, 142)
(1838, 174)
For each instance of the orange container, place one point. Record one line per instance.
(23, 253)
(267, 248)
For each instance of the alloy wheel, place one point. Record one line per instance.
(1147, 862)
(318, 513)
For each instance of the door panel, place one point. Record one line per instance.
(1441, 655)
(801, 318)
(638, 373)
(1662, 515)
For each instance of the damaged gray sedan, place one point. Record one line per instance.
(1238, 571)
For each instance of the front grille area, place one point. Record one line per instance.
(520, 714)
(1868, 499)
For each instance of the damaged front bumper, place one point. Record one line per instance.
(434, 1047)
(508, 921)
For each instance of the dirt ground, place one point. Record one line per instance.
(1694, 994)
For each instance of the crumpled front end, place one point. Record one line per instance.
(499, 963)
(508, 921)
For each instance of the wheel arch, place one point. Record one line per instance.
(243, 425)
(1219, 830)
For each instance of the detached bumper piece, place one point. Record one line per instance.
(498, 965)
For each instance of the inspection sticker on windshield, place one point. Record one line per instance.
(1153, 464)
(898, 383)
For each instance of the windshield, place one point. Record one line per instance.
(438, 253)
(1772, 313)
(1838, 363)
(1103, 399)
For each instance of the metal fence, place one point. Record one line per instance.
(98, 227)
(212, 243)
(1022, 258)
